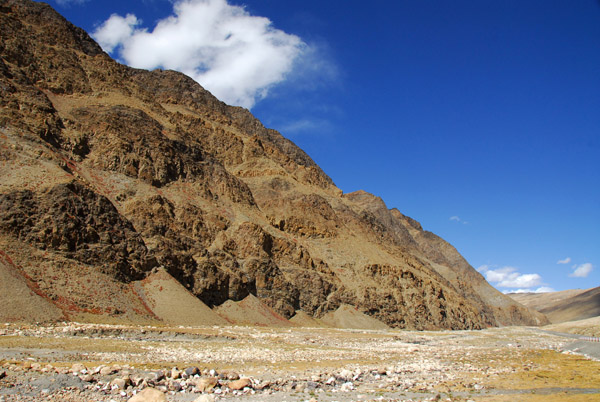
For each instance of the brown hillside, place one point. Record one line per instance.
(540, 301)
(579, 307)
(586, 327)
(108, 172)
(563, 306)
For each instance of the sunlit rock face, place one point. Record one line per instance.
(108, 173)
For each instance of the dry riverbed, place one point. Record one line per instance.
(90, 362)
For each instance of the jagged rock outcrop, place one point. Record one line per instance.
(108, 172)
(79, 224)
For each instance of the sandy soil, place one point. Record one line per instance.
(347, 316)
(302, 319)
(251, 311)
(170, 302)
(18, 302)
(293, 364)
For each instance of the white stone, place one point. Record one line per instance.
(205, 398)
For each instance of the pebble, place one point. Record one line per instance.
(118, 383)
(312, 385)
(345, 375)
(347, 386)
(175, 374)
(232, 376)
(159, 375)
(263, 385)
(174, 386)
(240, 384)
(106, 370)
(87, 378)
(78, 368)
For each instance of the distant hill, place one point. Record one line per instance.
(539, 301)
(586, 327)
(563, 306)
(116, 182)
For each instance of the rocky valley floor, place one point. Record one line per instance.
(91, 362)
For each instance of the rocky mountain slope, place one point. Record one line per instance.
(538, 301)
(108, 173)
(563, 306)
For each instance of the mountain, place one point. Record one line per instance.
(111, 175)
(563, 306)
(538, 301)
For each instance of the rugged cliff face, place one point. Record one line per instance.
(108, 172)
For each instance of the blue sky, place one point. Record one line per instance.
(480, 119)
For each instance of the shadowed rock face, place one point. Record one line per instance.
(124, 170)
(79, 224)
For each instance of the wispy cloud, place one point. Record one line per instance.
(581, 271)
(483, 268)
(565, 261)
(510, 277)
(305, 125)
(542, 289)
(69, 2)
(237, 56)
(457, 219)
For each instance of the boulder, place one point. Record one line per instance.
(205, 384)
(149, 395)
(240, 384)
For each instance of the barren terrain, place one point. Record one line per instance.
(563, 306)
(93, 362)
(138, 203)
(135, 196)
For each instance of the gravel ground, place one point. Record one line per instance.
(84, 362)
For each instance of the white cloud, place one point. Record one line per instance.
(236, 56)
(115, 30)
(542, 289)
(509, 277)
(581, 271)
(565, 261)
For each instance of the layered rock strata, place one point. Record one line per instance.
(108, 173)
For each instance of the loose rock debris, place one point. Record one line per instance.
(86, 362)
